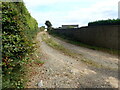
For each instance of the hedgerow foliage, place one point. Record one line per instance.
(18, 31)
(105, 22)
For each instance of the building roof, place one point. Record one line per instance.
(70, 25)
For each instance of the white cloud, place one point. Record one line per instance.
(34, 3)
(119, 10)
(101, 10)
(98, 10)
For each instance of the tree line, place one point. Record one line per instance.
(105, 22)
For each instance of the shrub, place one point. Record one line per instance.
(18, 31)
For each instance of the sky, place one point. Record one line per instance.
(119, 10)
(70, 12)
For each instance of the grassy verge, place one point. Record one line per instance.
(34, 61)
(58, 46)
(97, 65)
(72, 41)
(30, 68)
(55, 45)
(19, 76)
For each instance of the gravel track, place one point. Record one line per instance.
(61, 71)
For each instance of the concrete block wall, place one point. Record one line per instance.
(102, 36)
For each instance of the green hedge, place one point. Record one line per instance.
(105, 22)
(18, 32)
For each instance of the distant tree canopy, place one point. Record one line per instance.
(42, 28)
(48, 24)
(105, 22)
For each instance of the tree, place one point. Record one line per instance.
(48, 24)
(42, 28)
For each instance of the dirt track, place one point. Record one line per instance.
(61, 71)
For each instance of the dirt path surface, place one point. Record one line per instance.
(61, 71)
(105, 59)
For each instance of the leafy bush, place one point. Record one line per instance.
(18, 31)
(105, 22)
(42, 28)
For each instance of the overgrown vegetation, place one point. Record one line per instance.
(42, 28)
(75, 42)
(31, 68)
(97, 65)
(105, 22)
(57, 46)
(18, 32)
